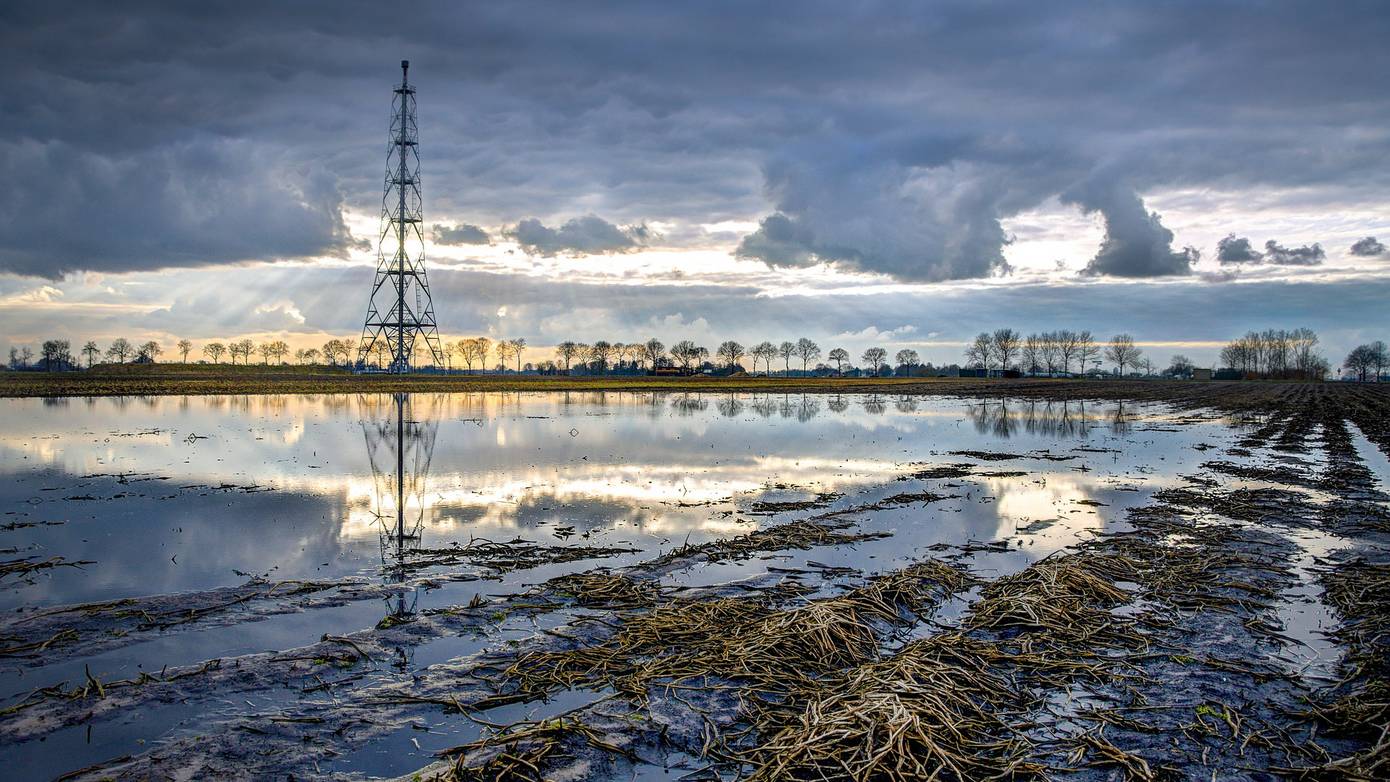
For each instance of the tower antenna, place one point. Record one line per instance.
(400, 312)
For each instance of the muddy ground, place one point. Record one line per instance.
(1174, 644)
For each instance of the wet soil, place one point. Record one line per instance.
(1227, 624)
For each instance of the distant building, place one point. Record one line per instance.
(1201, 374)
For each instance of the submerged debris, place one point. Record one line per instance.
(793, 535)
(503, 557)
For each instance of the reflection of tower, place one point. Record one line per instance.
(400, 445)
(393, 322)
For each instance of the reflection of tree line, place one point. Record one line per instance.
(799, 407)
(1050, 418)
(492, 404)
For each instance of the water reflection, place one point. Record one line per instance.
(1065, 419)
(400, 439)
(278, 485)
(686, 405)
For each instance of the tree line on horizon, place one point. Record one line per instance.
(1268, 354)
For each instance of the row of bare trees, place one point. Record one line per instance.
(1276, 353)
(1050, 352)
(1272, 353)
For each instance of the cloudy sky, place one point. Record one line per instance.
(900, 174)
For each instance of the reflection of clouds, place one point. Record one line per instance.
(497, 498)
(1054, 496)
(632, 455)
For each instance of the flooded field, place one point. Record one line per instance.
(566, 585)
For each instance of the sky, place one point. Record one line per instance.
(860, 173)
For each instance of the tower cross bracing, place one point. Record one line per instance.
(400, 333)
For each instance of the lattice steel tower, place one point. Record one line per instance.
(400, 310)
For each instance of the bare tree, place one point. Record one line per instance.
(55, 354)
(839, 356)
(599, 354)
(1004, 343)
(1031, 356)
(684, 352)
(474, 351)
(1179, 366)
(91, 351)
(120, 350)
(504, 353)
(807, 351)
(1306, 360)
(730, 352)
(1368, 360)
(1122, 353)
(1086, 349)
(149, 351)
(247, 347)
(1051, 352)
(907, 358)
(184, 346)
(979, 352)
(653, 351)
(382, 352)
(566, 351)
(1068, 347)
(764, 351)
(874, 358)
(518, 348)
(786, 350)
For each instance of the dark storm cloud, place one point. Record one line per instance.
(1308, 255)
(587, 235)
(1136, 243)
(202, 202)
(460, 234)
(141, 135)
(1367, 248)
(914, 225)
(1233, 250)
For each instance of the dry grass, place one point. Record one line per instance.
(765, 648)
(518, 753)
(927, 712)
(604, 590)
(1059, 600)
